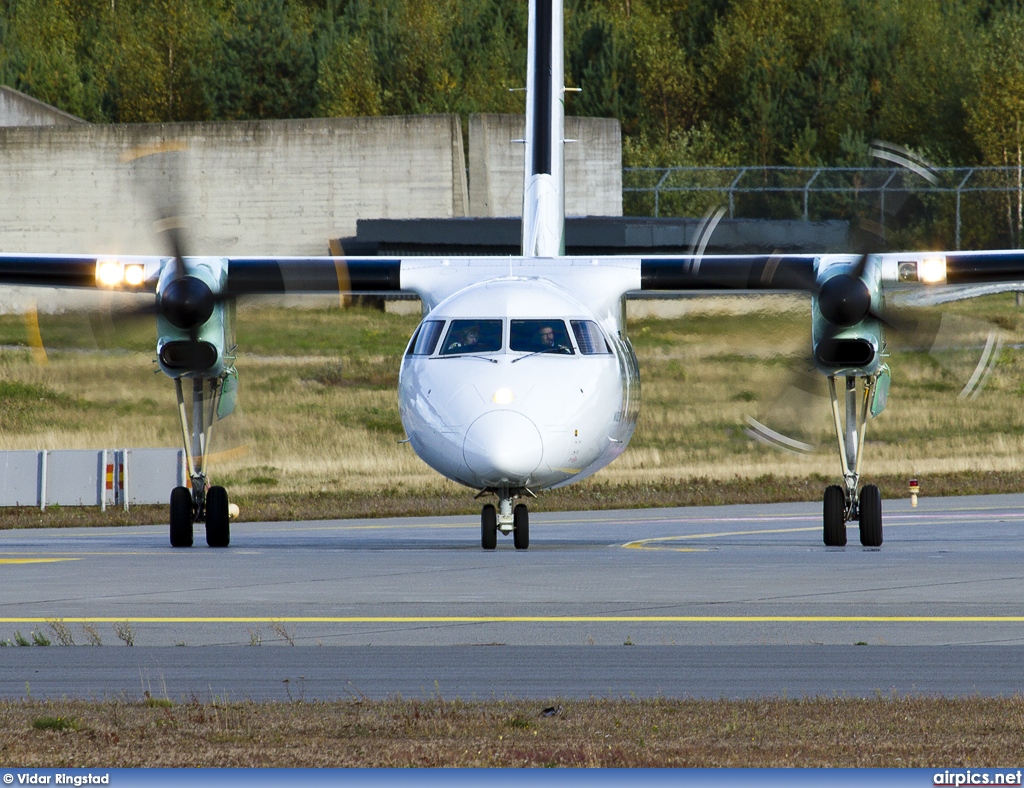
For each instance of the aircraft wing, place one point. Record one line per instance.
(49, 270)
(687, 273)
(954, 275)
(964, 274)
(275, 275)
(246, 275)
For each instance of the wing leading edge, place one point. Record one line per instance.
(997, 270)
(246, 275)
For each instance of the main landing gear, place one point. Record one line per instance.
(507, 518)
(843, 504)
(201, 503)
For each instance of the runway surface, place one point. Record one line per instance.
(951, 573)
(234, 673)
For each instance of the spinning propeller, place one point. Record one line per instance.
(186, 301)
(850, 320)
(183, 299)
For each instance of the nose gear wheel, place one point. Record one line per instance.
(201, 503)
(489, 527)
(507, 517)
(844, 504)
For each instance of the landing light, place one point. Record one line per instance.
(112, 273)
(503, 396)
(932, 270)
(109, 273)
(134, 275)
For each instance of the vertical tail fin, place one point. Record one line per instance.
(544, 181)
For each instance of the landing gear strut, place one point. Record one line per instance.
(507, 518)
(844, 504)
(201, 503)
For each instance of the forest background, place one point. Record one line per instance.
(753, 82)
(694, 82)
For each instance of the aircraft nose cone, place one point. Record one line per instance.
(503, 446)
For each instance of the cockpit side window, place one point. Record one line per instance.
(540, 336)
(426, 338)
(589, 338)
(472, 336)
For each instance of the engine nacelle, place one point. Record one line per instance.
(847, 340)
(195, 328)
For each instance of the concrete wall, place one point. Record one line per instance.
(269, 187)
(593, 166)
(17, 109)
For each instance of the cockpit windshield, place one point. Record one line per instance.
(472, 336)
(425, 341)
(589, 338)
(540, 336)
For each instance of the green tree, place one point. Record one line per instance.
(924, 96)
(750, 74)
(665, 73)
(161, 52)
(349, 84)
(995, 106)
(600, 61)
(488, 55)
(450, 56)
(263, 64)
(41, 55)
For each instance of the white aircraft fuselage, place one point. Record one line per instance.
(509, 411)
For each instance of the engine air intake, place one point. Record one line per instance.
(845, 353)
(188, 355)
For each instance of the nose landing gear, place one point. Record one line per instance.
(845, 505)
(506, 518)
(201, 503)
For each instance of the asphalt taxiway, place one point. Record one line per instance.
(750, 589)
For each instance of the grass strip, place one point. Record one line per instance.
(884, 731)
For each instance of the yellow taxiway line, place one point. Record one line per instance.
(658, 542)
(654, 542)
(519, 619)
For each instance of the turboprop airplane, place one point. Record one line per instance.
(520, 377)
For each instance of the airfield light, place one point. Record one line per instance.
(503, 396)
(915, 490)
(134, 275)
(932, 270)
(109, 273)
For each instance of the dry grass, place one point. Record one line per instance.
(317, 430)
(879, 732)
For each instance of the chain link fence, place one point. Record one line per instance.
(954, 207)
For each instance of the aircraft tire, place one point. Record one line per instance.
(181, 517)
(218, 531)
(521, 527)
(489, 527)
(870, 516)
(835, 516)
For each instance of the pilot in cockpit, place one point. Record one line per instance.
(470, 340)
